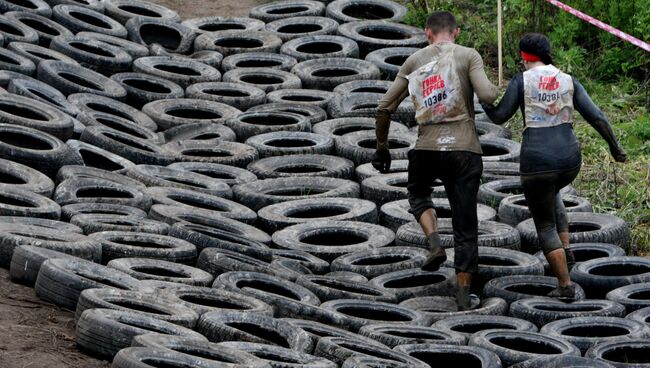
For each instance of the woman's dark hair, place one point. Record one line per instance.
(537, 44)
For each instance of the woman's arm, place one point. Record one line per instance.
(509, 103)
(586, 107)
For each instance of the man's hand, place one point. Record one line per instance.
(618, 153)
(381, 160)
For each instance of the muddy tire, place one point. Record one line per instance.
(213, 24)
(228, 174)
(446, 307)
(389, 60)
(469, 325)
(257, 60)
(189, 198)
(70, 210)
(327, 73)
(17, 32)
(170, 35)
(21, 177)
(287, 9)
(240, 96)
(90, 190)
(290, 143)
(92, 102)
(177, 112)
(513, 209)
(291, 28)
(499, 149)
(79, 19)
(301, 96)
(45, 28)
(602, 275)
(136, 150)
(155, 269)
(27, 261)
(344, 11)
(562, 361)
(157, 176)
(199, 132)
(360, 146)
(93, 223)
(513, 288)
(392, 336)
(117, 244)
(372, 35)
(181, 71)
(432, 354)
(268, 80)
(237, 42)
(302, 165)
(412, 283)
(319, 47)
(329, 288)
(376, 262)
(143, 88)
(219, 152)
(339, 349)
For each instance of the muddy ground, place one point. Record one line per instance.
(35, 334)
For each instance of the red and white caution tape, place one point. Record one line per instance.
(616, 32)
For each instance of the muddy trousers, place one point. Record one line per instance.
(460, 173)
(546, 206)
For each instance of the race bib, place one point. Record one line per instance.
(548, 97)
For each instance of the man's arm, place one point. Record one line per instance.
(387, 105)
(484, 89)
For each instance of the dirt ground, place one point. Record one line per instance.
(35, 334)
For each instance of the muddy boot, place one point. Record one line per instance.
(570, 258)
(437, 255)
(463, 299)
(564, 293)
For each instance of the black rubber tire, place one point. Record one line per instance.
(319, 330)
(78, 18)
(344, 11)
(236, 326)
(156, 269)
(314, 114)
(105, 332)
(207, 57)
(25, 112)
(61, 280)
(267, 80)
(181, 71)
(93, 223)
(412, 283)
(281, 143)
(95, 157)
(258, 60)
(562, 361)
(121, 125)
(311, 262)
(15, 31)
(342, 126)
(216, 261)
(372, 35)
(376, 262)
(448, 356)
(70, 79)
(214, 24)
(291, 28)
(123, 10)
(136, 50)
(15, 62)
(93, 54)
(92, 102)
(319, 47)
(172, 113)
(174, 214)
(91, 190)
(618, 353)
(70, 210)
(543, 310)
(367, 361)
(204, 237)
(287, 298)
(237, 95)
(358, 313)
(330, 288)
(366, 104)
(339, 349)
(492, 130)
(217, 205)
(142, 357)
(287, 9)
(172, 36)
(124, 244)
(218, 354)
(158, 176)
(217, 152)
(262, 193)
(585, 332)
(583, 228)
(392, 336)
(17, 144)
(503, 343)
(302, 165)
(301, 96)
(37, 90)
(438, 308)
(96, 5)
(499, 170)
(85, 172)
(632, 296)
(328, 243)
(497, 262)
(45, 28)
(237, 42)
(586, 251)
(514, 210)
(327, 73)
(156, 305)
(228, 174)
(19, 176)
(200, 132)
(27, 260)
(279, 357)
(493, 192)
(602, 275)
(396, 214)
(360, 146)
(513, 288)
(499, 149)
(363, 86)
(278, 216)
(144, 88)
(468, 325)
(137, 150)
(389, 60)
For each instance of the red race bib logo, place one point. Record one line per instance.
(548, 83)
(431, 84)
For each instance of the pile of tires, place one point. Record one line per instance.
(199, 193)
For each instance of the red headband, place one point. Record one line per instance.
(529, 57)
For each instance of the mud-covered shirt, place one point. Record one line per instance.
(453, 133)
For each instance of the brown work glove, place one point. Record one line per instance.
(381, 160)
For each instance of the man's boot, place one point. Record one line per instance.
(564, 293)
(437, 255)
(463, 299)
